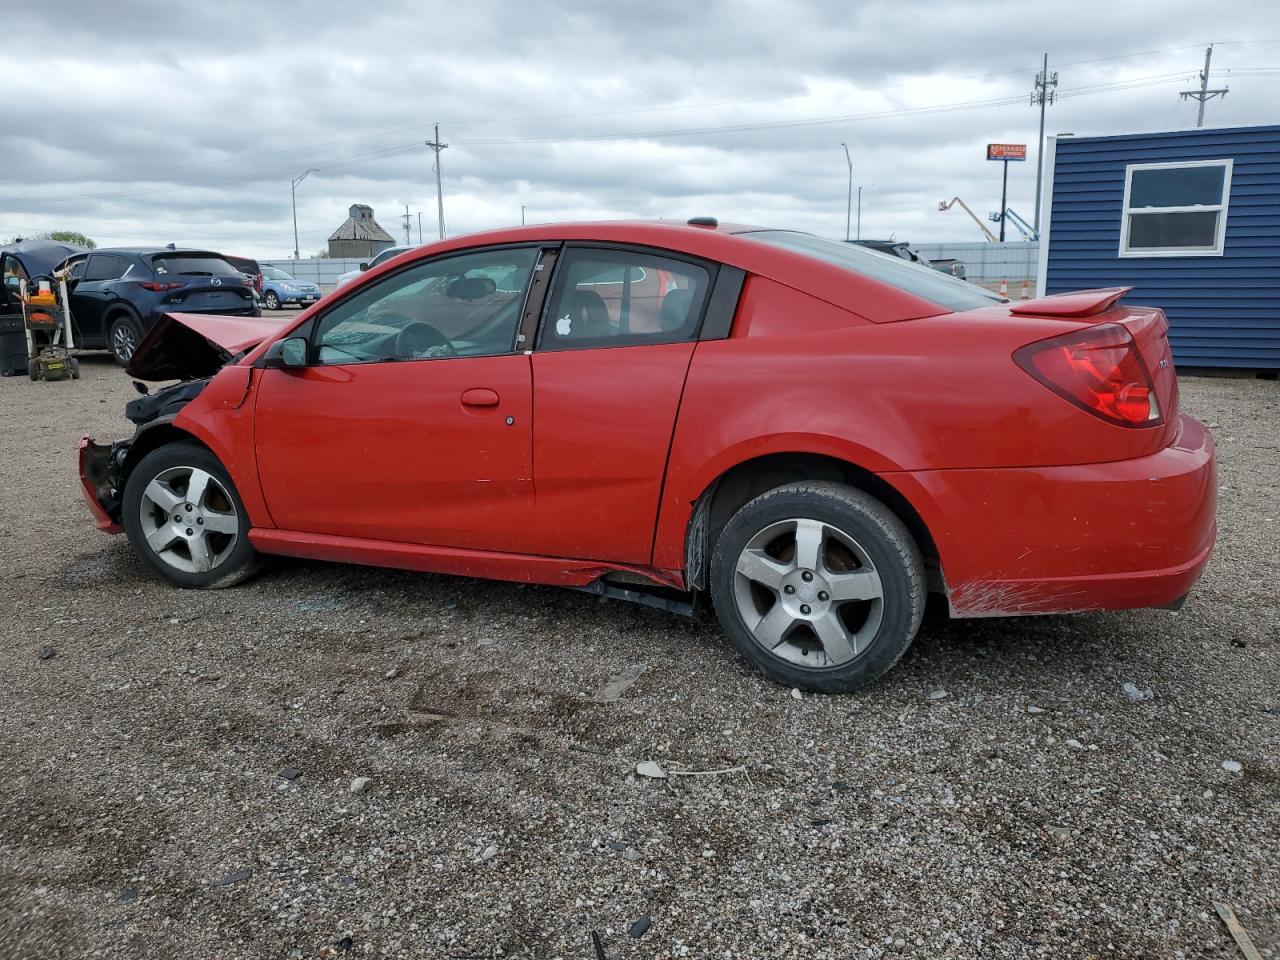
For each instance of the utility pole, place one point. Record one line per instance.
(419, 228)
(293, 199)
(1004, 199)
(522, 214)
(1204, 93)
(848, 206)
(407, 241)
(1043, 95)
(859, 212)
(437, 146)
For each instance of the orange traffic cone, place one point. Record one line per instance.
(1004, 287)
(1026, 291)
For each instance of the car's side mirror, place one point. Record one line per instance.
(290, 353)
(364, 266)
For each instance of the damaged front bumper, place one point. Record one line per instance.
(100, 481)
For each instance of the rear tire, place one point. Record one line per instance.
(270, 300)
(33, 370)
(819, 585)
(123, 338)
(184, 517)
(74, 364)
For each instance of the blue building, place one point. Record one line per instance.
(1190, 219)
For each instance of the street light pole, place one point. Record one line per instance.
(293, 197)
(848, 207)
(859, 211)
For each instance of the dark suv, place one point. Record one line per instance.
(118, 294)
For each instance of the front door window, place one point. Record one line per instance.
(461, 306)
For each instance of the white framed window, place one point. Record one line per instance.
(1175, 209)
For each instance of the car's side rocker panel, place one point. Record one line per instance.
(553, 571)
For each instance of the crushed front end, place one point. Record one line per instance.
(100, 481)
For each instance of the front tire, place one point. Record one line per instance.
(819, 585)
(270, 300)
(184, 517)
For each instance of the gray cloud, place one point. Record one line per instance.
(185, 122)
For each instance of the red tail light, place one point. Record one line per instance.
(1099, 370)
(160, 286)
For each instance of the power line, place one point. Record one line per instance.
(660, 108)
(402, 149)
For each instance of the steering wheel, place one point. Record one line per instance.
(421, 340)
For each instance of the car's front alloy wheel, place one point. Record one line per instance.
(183, 515)
(818, 584)
(270, 300)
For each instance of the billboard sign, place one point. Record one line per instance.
(1006, 151)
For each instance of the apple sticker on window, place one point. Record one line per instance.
(564, 325)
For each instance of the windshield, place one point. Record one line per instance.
(913, 278)
(194, 265)
(275, 273)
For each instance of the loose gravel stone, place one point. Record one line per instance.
(358, 785)
(1135, 694)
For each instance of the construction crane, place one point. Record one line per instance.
(946, 205)
(1027, 230)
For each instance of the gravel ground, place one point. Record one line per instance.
(997, 795)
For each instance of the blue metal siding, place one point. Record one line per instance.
(1224, 311)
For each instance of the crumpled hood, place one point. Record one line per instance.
(190, 346)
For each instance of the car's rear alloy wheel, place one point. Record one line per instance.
(270, 300)
(819, 584)
(123, 339)
(183, 515)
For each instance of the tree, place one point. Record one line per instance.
(72, 236)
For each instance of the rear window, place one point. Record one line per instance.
(919, 281)
(194, 266)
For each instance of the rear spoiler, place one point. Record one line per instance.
(1080, 303)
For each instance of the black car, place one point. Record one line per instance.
(118, 294)
(902, 250)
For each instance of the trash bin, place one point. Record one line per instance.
(13, 345)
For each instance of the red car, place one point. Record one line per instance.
(809, 434)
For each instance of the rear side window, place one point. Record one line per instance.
(913, 278)
(616, 298)
(187, 265)
(106, 266)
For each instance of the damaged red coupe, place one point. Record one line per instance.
(810, 435)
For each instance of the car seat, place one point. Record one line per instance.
(675, 310)
(588, 315)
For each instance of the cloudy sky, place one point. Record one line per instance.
(150, 122)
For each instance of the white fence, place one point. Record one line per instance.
(986, 263)
(322, 271)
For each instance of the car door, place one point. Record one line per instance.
(93, 293)
(412, 420)
(613, 350)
